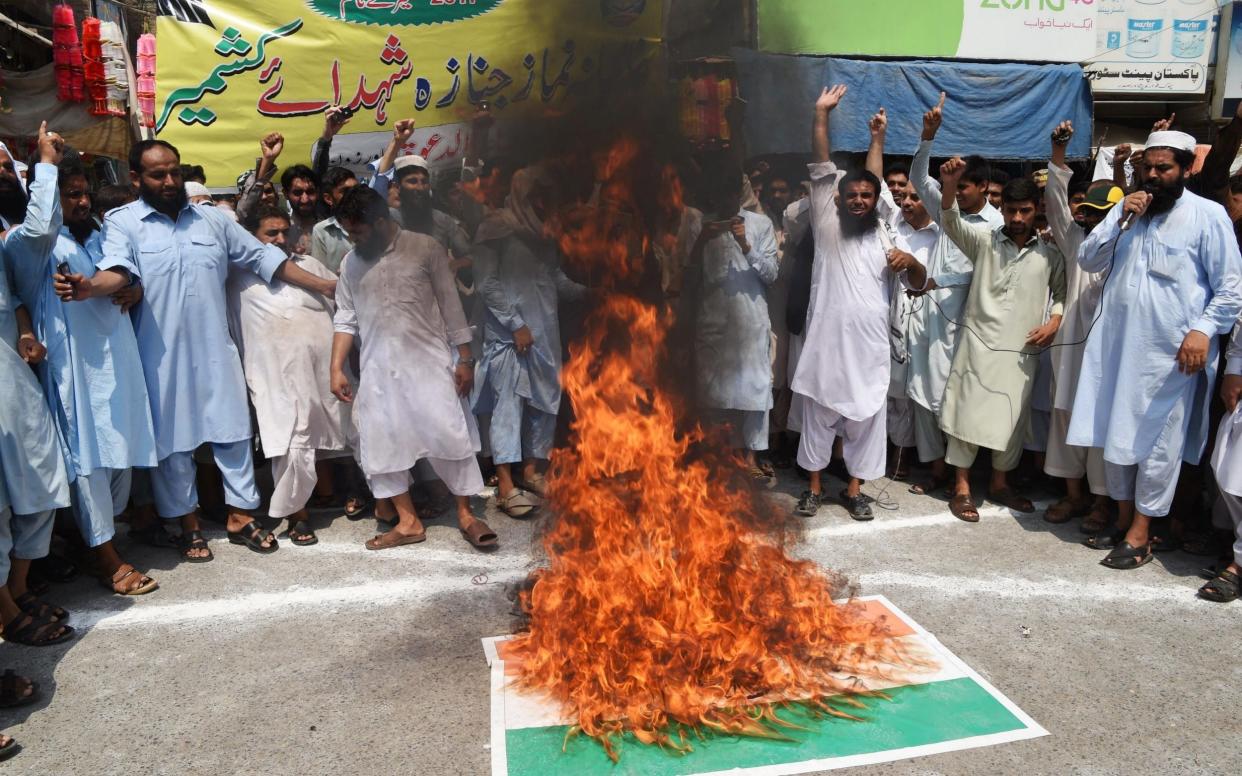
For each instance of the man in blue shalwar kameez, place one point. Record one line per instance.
(181, 254)
(1174, 286)
(92, 377)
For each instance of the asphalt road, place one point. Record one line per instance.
(336, 660)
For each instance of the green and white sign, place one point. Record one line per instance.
(1023, 30)
(944, 707)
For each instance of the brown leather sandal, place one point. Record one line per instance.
(480, 535)
(963, 508)
(117, 583)
(394, 538)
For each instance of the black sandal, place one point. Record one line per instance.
(194, 540)
(1126, 556)
(859, 506)
(1104, 540)
(11, 694)
(35, 633)
(36, 608)
(154, 535)
(1222, 589)
(301, 534)
(252, 536)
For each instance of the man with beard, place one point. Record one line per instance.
(843, 370)
(301, 187)
(92, 377)
(182, 254)
(934, 333)
(1082, 298)
(412, 177)
(397, 292)
(1175, 286)
(12, 192)
(284, 334)
(988, 393)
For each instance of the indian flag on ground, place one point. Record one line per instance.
(943, 708)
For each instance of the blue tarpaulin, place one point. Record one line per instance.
(999, 111)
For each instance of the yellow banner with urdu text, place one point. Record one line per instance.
(230, 71)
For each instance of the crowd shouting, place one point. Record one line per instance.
(378, 332)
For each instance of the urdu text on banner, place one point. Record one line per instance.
(229, 71)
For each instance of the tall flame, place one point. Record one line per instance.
(669, 600)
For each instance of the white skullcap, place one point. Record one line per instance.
(410, 160)
(1171, 139)
(196, 189)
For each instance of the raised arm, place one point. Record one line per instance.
(920, 175)
(401, 133)
(875, 152)
(972, 239)
(32, 240)
(321, 152)
(1214, 176)
(821, 146)
(1065, 232)
(270, 147)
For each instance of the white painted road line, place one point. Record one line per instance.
(265, 606)
(1086, 591)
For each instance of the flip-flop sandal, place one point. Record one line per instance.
(9, 749)
(31, 605)
(36, 632)
(1066, 510)
(1010, 500)
(154, 535)
(858, 506)
(301, 534)
(518, 504)
(1104, 540)
(480, 535)
(963, 508)
(1222, 589)
(355, 506)
(194, 540)
(11, 693)
(252, 536)
(114, 583)
(1126, 557)
(394, 538)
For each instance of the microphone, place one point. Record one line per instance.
(1128, 219)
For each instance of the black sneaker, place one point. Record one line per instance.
(808, 504)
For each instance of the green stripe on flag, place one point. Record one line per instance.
(916, 715)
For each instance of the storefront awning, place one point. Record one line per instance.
(999, 111)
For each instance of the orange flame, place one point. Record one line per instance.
(669, 599)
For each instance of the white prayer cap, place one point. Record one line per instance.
(411, 160)
(195, 189)
(1171, 139)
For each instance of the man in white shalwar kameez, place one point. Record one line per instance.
(922, 234)
(397, 293)
(987, 397)
(1082, 298)
(1227, 466)
(731, 264)
(1175, 286)
(934, 333)
(284, 336)
(843, 372)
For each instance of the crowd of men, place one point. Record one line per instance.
(383, 334)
